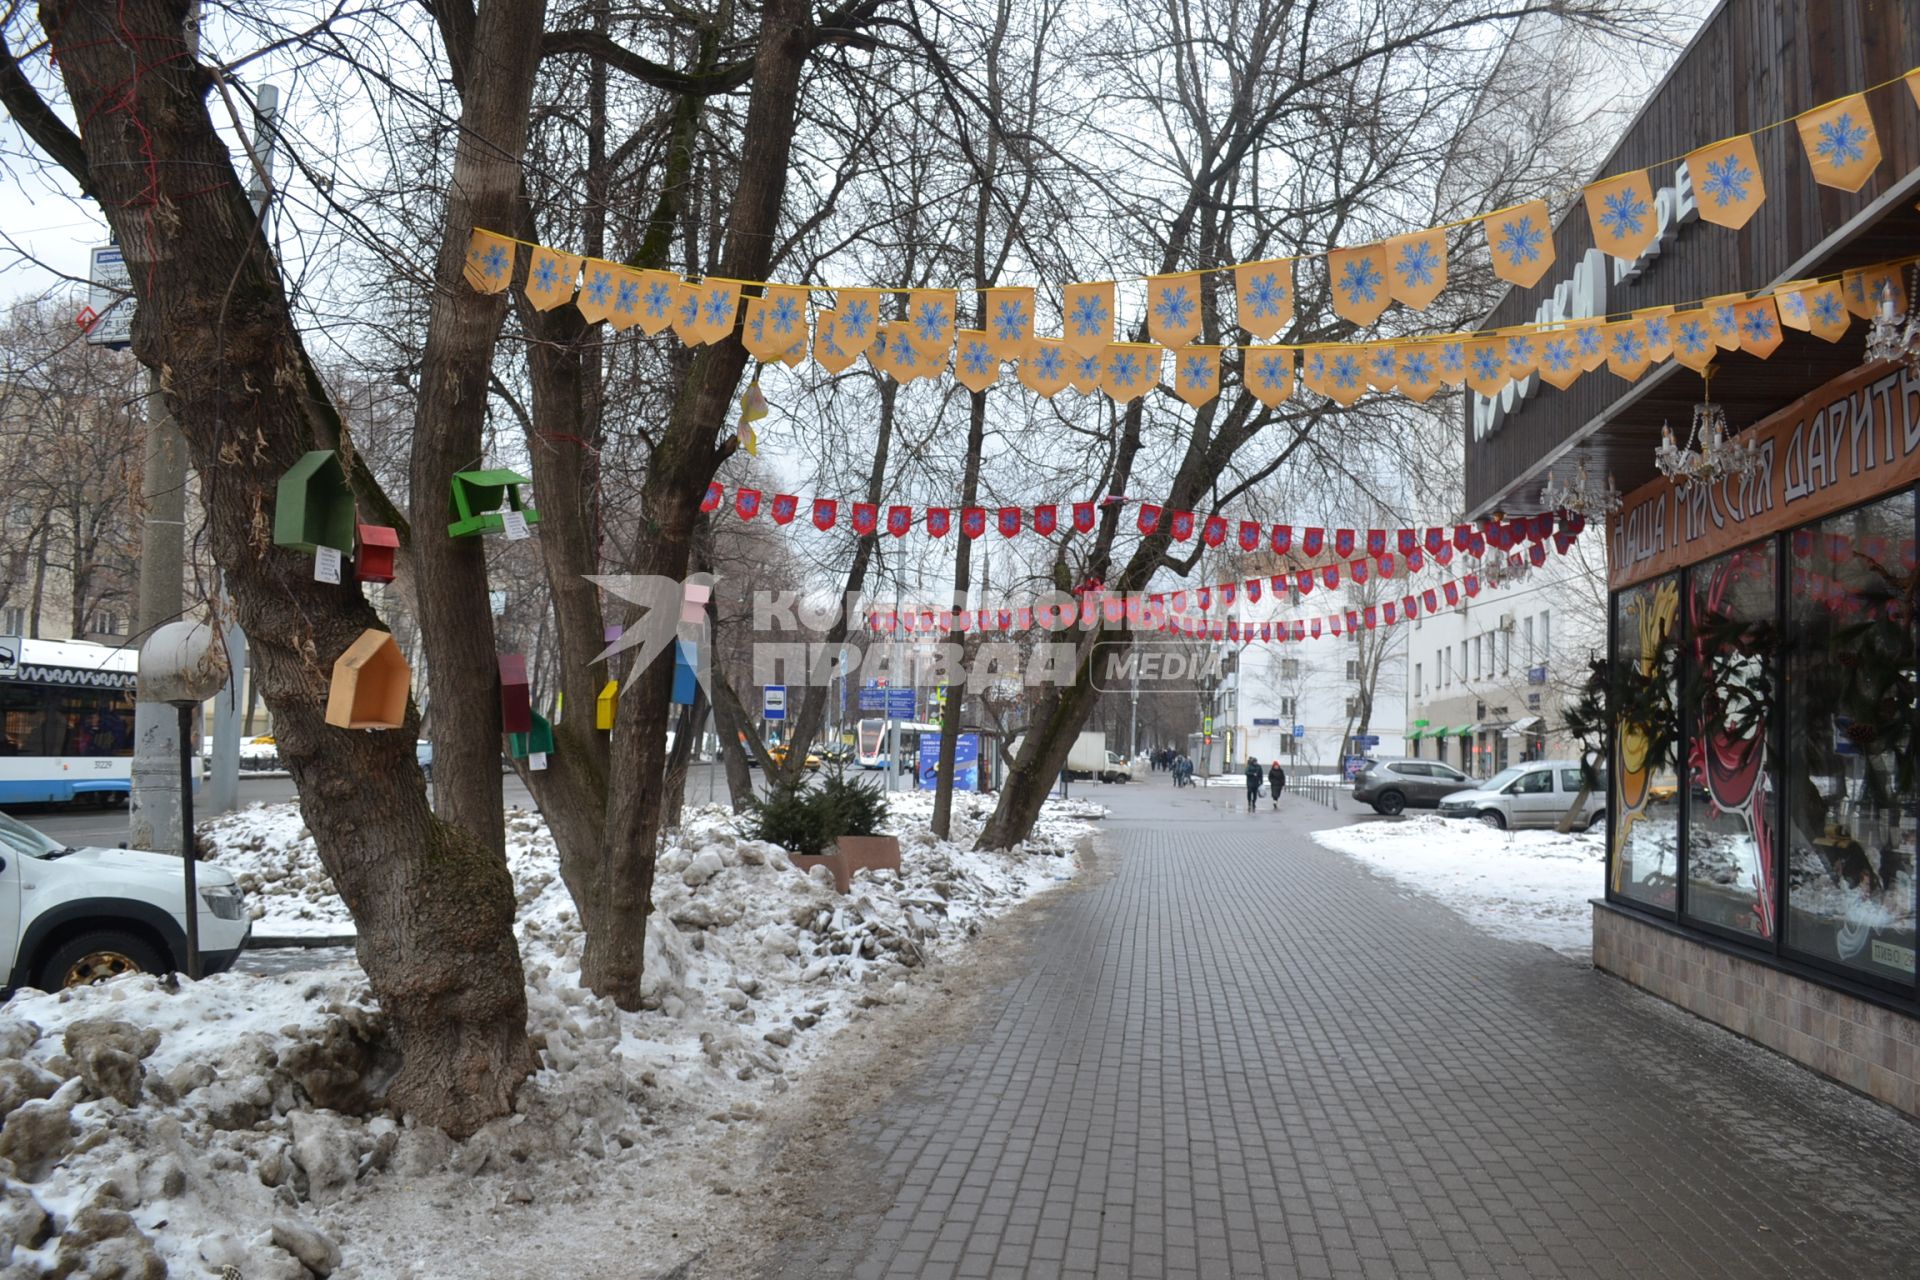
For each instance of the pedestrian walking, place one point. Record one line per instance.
(1277, 782)
(1253, 784)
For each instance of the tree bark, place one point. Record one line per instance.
(962, 583)
(432, 904)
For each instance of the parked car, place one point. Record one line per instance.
(1118, 768)
(1537, 794)
(778, 755)
(1392, 786)
(86, 915)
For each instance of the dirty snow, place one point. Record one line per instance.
(1532, 886)
(251, 1132)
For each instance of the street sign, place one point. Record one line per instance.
(1299, 731)
(872, 699)
(773, 702)
(900, 704)
(109, 297)
(1265, 724)
(1367, 739)
(1206, 725)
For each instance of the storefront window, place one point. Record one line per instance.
(1731, 640)
(1851, 752)
(1646, 813)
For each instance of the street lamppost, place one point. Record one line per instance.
(184, 664)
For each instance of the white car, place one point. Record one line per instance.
(1537, 794)
(1118, 769)
(69, 917)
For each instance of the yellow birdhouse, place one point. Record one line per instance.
(605, 704)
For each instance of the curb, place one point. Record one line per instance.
(309, 941)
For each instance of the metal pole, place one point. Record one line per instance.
(155, 804)
(223, 766)
(187, 850)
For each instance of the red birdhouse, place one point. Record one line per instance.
(516, 699)
(374, 548)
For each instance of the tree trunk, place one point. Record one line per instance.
(962, 582)
(433, 905)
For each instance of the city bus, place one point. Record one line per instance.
(66, 722)
(870, 742)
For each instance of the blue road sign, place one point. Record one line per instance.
(900, 704)
(1299, 731)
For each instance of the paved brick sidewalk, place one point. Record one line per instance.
(1238, 1054)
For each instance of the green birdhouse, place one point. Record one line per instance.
(313, 507)
(535, 741)
(481, 500)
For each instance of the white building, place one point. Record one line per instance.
(1300, 702)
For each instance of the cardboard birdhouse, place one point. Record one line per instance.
(375, 547)
(516, 698)
(370, 683)
(537, 740)
(482, 499)
(686, 665)
(604, 705)
(313, 507)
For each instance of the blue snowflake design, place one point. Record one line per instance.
(546, 276)
(1826, 309)
(493, 263)
(1087, 369)
(1629, 347)
(786, 314)
(1417, 369)
(719, 309)
(1794, 305)
(659, 299)
(1265, 296)
(1316, 366)
(1883, 290)
(1624, 215)
(1659, 332)
(1384, 363)
(1520, 240)
(901, 349)
(758, 325)
(628, 298)
(857, 319)
(1486, 364)
(1756, 326)
(1049, 364)
(1089, 315)
(830, 339)
(932, 322)
(1692, 337)
(1010, 320)
(1519, 350)
(1360, 280)
(1723, 321)
(1453, 357)
(1588, 342)
(1346, 372)
(600, 288)
(1125, 368)
(976, 359)
(690, 310)
(1557, 355)
(1271, 371)
(1418, 264)
(1197, 372)
(1175, 308)
(1841, 141)
(1727, 180)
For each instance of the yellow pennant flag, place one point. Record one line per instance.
(1913, 85)
(1621, 210)
(1313, 370)
(1087, 318)
(1264, 296)
(880, 354)
(1840, 142)
(550, 278)
(1345, 379)
(931, 313)
(719, 309)
(686, 312)
(1791, 299)
(1693, 343)
(1359, 281)
(627, 287)
(1045, 368)
(1759, 324)
(828, 351)
(1173, 309)
(1267, 372)
(776, 321)
(1452, 365)
(489, 261)
(1870, 290)
(975, 364)
(1083, 371)
(1521, 239)
(859, 311)
(1010, 322)
(596, 291)
(1132, 369)
(1380, 362)
(1627, 349)
(1486, 366)
(1827, 311)
(1522, 352)
(1560, 358)
(1417, 267)
(657, 290)
(755, 336)
(1420, 370)
(1589, 343)
(1659, 332)
(1196, 374)
(1727, 187)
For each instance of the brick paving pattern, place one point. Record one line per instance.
(1238, 1054)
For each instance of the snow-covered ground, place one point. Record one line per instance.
(237, 1121)
(1535, 886)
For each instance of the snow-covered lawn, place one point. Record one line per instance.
(1534, 886)
(237, 1121)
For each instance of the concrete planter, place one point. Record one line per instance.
(851, 854)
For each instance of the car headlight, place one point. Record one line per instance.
(223, 900)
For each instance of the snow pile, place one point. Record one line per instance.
(154, 1124)
(1532, 886)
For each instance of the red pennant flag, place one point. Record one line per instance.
(1282, 539)
(1574, 522)
(973, 521)
(939, 520)
(1444, 555)
(1253, 589)
(1226, 593)
(1233, 630)
(1343, 542)
(1331, 575)
(1353, 620)
(785, 506)
(1415, 561)
(1537, 554)
(825, 512)
(1387, 612)
(1266, 631)
(1182, 525)
(1409, 541)
(1373, 617)
(1215, 532)
(747, 503)
(1023, 619)
(1452, 591)
(1477, 545)
(1046, 519)
(1299, 631)
(899, 520)
(1313, 628)
(1432, 601)
(715, 492)
(1473, 584)
(1409, 607)
(1303, 582)
(1462, 536)
(963, 621)
(1312, 540)
(1179, 601)
(1205, 597)
(1083, 517)
(1149, 518)
(1249, 535)
(1009, 521)
(866, 518)
(1376, 542)
(1386, 566)
(1436, 539)
(1357, 570)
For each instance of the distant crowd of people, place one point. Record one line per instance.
(1176, 762)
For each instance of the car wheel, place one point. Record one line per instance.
(1391, 803)
(1595, 819)
(96, 956)
(1494, 818)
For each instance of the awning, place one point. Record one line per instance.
(1468, 730)
(1521, 727)
(1416, 735)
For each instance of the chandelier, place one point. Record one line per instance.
(1895, 337)
(1581, 496)
(1708, 455)
(1501, 571)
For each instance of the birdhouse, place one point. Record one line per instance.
(370, 682)
(313, 507)
(481, 499)
(686, 664)
(537, 740)
(693, 602)
(374, 550)
(516, 699)
(604, 705)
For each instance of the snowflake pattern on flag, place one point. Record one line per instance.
(1265, 296)
(1826, 309)
(902, 352)
(1692, 337)
(600, 288)
(1087, 368)
(1520, 240)
(1453, 357)
(1417, 369)
(546, 277)
(1624, 215)
(1519, 350)
(1727, 180)
(1089, 315)
(1629, 347)
(857, 319)
(690, 310)
(1125, 368)
(1010, 320)
(1360, 280)
(719, 309)
(1384, 363)
(1841, 141)
(1486, 364)
(659, 299)
(1049, 364)
(976, 359)
(1316, 366)
(627, 297)
(1757, 326)
(1659, 332)
(1175, 307)
(493, 264)
(1557, 355)
(1346, 372)
(1271, 371)
(1418, 264)
(1723, 321)
(1588, 341)
(931, 324)
(1197, 371)
(1794, 305)
(786, 314)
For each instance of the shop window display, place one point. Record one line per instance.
(1851, 755)
(1731, 644)
(1645, 853)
